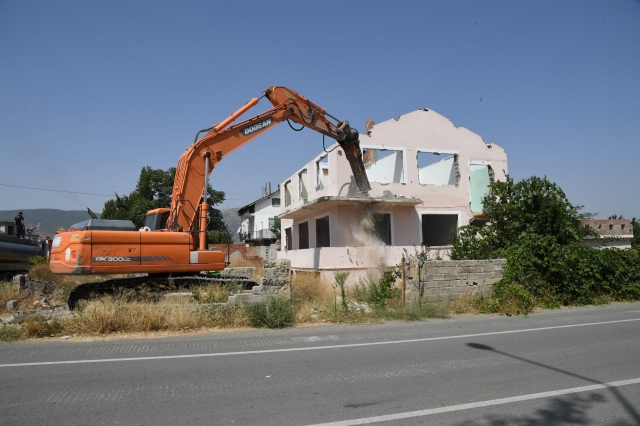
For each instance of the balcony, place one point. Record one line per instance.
(258, 233)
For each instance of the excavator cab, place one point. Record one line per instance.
(156, 219)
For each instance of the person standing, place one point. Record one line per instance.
(19, 220)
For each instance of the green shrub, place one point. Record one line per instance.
(512, 299)
(41, 326)
(377, 292)
(534, 226)
(276, 312)
(10, 333)
(412, 312)
(39, 260)
(340, 281)
(557, 274)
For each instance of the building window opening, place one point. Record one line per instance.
(439, 229)
(275, 202)
(322, 172)
(480, 177)
(302, 186)
(382, 227)
(303, 235)
(383, 165)
(288, 239)
(323, 236)
(438, 169)
(287, 193)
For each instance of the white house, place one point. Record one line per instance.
(610, 233)
(427, 178)
(258, 217)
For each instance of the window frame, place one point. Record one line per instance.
(288, 236)
(328, 217)
(299, 235)
(304, 170)
(391, 233)
(284, 190)
(437, 212)
(391, 148)
(318, 169)
(441, 152)
(491, 178)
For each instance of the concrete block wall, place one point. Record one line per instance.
(450, 279)
(276, 280)
(246, 271)
(276, 272)
(242, 251)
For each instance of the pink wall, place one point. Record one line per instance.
(412, 133)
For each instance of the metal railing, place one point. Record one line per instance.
(257, 234)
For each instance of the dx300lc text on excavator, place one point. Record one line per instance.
(171, 248)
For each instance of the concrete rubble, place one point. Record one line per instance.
(276, 281)
(36, 303)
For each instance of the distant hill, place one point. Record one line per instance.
(232, 220)
(50, 220)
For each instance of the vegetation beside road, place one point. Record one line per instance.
(310, 300)
(537, 230)
(532, 225)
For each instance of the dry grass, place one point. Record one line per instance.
(309, 312)
(313, 301)
(215, 293)
(469, 304)
(245, 263)
(113, 315)
(42, 272)
(6, 294)
(312, 298)
(308, 287)
(63, 284)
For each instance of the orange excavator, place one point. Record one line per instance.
(172, 246)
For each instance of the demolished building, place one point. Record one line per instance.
(427, 178)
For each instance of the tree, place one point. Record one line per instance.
(516, 211)
(218, 232)
(153, 190)
(534, 226)
(636, 233)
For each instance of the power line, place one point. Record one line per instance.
(89, 193)
(55, 190)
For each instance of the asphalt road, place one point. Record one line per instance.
(576, 366)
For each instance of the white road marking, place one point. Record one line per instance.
(311, 348)
(480, 404)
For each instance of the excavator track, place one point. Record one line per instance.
(150, 284)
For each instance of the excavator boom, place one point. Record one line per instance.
(197, 162)
(100, 246)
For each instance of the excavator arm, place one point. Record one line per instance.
(197, 162)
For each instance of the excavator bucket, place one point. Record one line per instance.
(354, 155)
(350, 143)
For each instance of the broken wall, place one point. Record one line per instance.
(449, 192)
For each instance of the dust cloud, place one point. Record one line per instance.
(364, 233)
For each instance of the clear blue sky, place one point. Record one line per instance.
(91, 92)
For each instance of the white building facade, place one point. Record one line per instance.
(258, 217)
